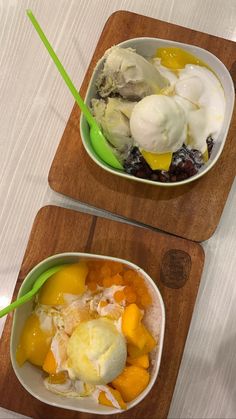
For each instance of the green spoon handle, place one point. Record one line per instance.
(30, 294)
(19, 302)
(61, 69)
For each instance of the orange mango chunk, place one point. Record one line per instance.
(135, 332)
(131, 326)
(131, 382)
(141, 361)
(103, 399)
(69, 280)
(58, 378)
(50, 365)
(134, 351)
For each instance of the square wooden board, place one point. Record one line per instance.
(174, 264)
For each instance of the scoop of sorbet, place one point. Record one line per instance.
(96, 352)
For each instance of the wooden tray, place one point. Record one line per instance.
(175, 265)
(190, 211)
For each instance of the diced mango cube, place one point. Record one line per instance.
(135, 332)
(141, 361)
(103, 398)
(131, 382)
(131, 325)
(134, 351)
(69, 280)
(58, 378)
(50, 365)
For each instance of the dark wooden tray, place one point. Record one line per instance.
(192, 211)
(175, 265)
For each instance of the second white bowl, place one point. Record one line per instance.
(31, 377)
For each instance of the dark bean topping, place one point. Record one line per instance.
(185, 163)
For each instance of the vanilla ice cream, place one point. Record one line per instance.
(129, 74)
(96, 352)
(158, 124)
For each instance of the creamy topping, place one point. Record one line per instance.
(58, 348)
(202, 88)
(70, 388)
(158, 124)
(48, 317)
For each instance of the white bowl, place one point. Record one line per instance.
(31, 377)
(147, 47)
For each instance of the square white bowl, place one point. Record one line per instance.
(147, 47)
(31, 377)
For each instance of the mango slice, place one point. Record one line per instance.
(141, 361)
(131, 382)
(34, 342)
(135, 332)
(176, 58)
(132, 327)
(69, 280)
(157, 161)
(50, 365)
(103, 399)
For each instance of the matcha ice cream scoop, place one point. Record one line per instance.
(96, 352)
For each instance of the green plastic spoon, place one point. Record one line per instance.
(99, 142)
(36, 287)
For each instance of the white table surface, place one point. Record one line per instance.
(34, 108)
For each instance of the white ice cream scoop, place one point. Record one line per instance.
(158, 124)
(200, 86)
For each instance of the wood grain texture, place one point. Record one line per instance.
(74, 174)
(56, 230)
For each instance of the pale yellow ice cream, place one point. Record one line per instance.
(129, 74)
(158, 124)
(96, 352)
(113, 116)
